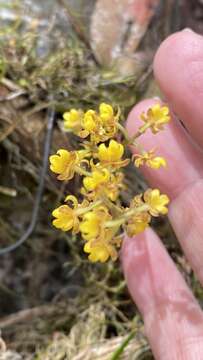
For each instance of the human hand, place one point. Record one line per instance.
(173, 319)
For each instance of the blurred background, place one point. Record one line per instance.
(54, 304)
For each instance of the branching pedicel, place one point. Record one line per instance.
(100, 217)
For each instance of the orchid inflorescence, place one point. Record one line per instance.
(100, 216)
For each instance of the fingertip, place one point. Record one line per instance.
(182, 44)
(178, 69)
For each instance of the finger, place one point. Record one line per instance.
(173, 319)
(178, 68)
(181, 180)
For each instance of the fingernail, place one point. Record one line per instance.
(188, 30)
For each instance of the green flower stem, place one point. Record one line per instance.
(132, 140)
(82, 211)
(126, 216)
(124, 132)
(114, 223)
(137, 210)
(111, 205)
(142, 130)
(82, 171)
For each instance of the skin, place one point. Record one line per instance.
(173, 318)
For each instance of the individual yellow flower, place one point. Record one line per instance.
(103, 247)
(92, 224)
(107, 121)
(97, 252)
(73, 120)
(157, 202)
(149, 159)
(90, 121)
(156, 162)
(138, 223)
(106, 112)
(92, 125)
(63, 163)
(155, 118)
(98, 178)
(112, 154)
(102, 182)
(67, 217)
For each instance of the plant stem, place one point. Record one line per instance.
(116, 355)
(82, 171)
(88, 208)
(126, 215)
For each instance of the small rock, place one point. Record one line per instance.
(117, 28)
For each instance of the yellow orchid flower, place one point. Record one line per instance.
(90, 121)
(63, 163)
(97, 252)
(104, 246)
(157, 202)
(98, 178)
(73, 120)
(111, 155)
(65, 218)
(92, 224)
(106, 112)
(149, 159)
(103, 182)
(100, 251)
(138, 223)
(155, 118)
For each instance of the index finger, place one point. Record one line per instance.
(178, 68)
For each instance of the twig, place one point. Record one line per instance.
(27, 314)
(31, 227)
(8, 191)
(12, 95)
(10, 85)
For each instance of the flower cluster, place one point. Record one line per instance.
(100, 217)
